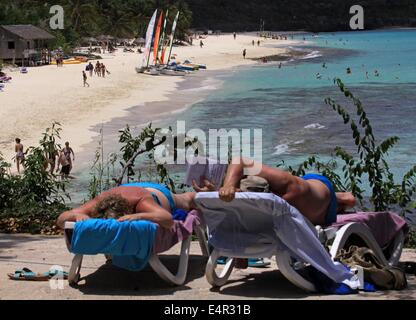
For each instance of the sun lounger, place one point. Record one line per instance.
(164, 240)
(5, 79)
(264, 225)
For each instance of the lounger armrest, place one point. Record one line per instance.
(69, 231)
(69, 225)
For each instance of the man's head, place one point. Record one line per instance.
(66, 144)
(113, 207)
(17, 140)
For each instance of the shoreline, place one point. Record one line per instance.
(80, 112)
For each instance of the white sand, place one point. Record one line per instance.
(31, 102)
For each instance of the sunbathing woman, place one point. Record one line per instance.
(136, 201)
(313, 195)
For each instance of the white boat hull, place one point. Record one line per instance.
(170, 72)
(149, 71)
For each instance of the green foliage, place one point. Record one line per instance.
(85, 18)
(411, 240)
(369, 162)
(102, 171)
(324, 16)
(29, 201)
(136, 149)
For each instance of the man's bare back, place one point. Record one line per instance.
(311, 197)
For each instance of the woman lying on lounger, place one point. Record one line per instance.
(313, 195)
(136, 201)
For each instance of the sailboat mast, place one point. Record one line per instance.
(172, 37)
(157, 37)
(149, 38)
(162, 41)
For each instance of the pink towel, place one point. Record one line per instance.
(384, 225)
(181, 230)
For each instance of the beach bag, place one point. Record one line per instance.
(381, 276)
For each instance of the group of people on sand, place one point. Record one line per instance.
(99, 70)
(60, 160)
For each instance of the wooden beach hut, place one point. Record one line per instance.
(25, 44)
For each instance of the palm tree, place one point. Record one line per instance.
(82, 14)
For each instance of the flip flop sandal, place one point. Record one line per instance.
(258, 263)
(56, 273)
(222, 260)
(26, 274)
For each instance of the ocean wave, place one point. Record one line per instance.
(314, 126)
(299, 142)
(204, 88)
(312, 55)
(209, 84)
(281, 149)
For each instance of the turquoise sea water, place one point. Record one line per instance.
(288, 103)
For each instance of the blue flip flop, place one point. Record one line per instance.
(258, 263)
(222, 260)
(26, 274)
(56, 273)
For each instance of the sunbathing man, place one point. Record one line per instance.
(313, 195)
(137, 201)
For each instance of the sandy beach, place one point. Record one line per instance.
(31, 102)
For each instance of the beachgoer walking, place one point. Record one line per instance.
(20, 155)
(51, 154)
(67, 152)
(201, 44)
(253, 43)
(235, 35)
(244, 53)
(98, 69)
(84, 77)
(258, 43)
(90, 68)
(66, 166)
(103, 70)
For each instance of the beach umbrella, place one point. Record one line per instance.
(139, 41)
(105, 38)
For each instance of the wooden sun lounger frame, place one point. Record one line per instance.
(338, 236)
(176, 279)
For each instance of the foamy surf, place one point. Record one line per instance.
(312, 55)
(314, 126)
(281, 149)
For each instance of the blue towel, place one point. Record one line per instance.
(129, 243)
